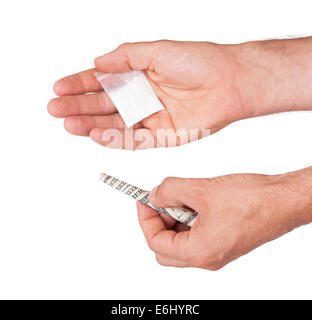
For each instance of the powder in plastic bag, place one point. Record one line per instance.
(131, 93)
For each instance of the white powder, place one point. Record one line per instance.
(131, 94)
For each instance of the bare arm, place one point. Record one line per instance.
(202, 85)
(236, 214)
(281, 75)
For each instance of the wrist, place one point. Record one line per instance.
(275, 75)
(294, 191)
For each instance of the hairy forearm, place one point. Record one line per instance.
(295, 190)
(278, 75)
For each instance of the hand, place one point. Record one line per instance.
(236, 214)
(202, 85)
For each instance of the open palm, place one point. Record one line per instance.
(197, 82)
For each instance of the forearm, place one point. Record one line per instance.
(278, 75)
(295, 190)
(236, 214)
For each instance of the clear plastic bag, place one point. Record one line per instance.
(131, 94)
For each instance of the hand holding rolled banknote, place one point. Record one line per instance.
(178, 213)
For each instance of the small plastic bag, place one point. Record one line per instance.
(131, 94)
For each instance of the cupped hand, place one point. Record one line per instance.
(202, 86)
(236, 214)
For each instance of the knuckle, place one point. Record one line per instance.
(162, 42)
(124, 45)
(165, 187)
(205, 184)
(202, 258)
(198, 262)
(204, 187)
(152, 243)
(159, 260)
(168, 181)
(117, 121)
(213, 260)
(214, 268)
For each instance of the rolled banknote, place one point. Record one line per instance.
(179, 213)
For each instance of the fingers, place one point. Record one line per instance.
(176, 192)
(129, 56)
(137, 56)
(86, 104)
(170, 223)
(170, 262)
(160, 240)
(179, 227)
(129, 139)
(82, 125)
(78, 83)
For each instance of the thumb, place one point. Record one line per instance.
(176, 192)
(128, 56)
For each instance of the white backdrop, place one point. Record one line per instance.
(63, 234)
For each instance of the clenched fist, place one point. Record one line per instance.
(236, 214)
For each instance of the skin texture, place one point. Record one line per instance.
(202, 85)
(236, 214)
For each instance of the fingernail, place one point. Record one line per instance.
(152, 196)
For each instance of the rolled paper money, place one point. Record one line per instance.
(178, 213)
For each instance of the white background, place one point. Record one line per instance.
(63, 234)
